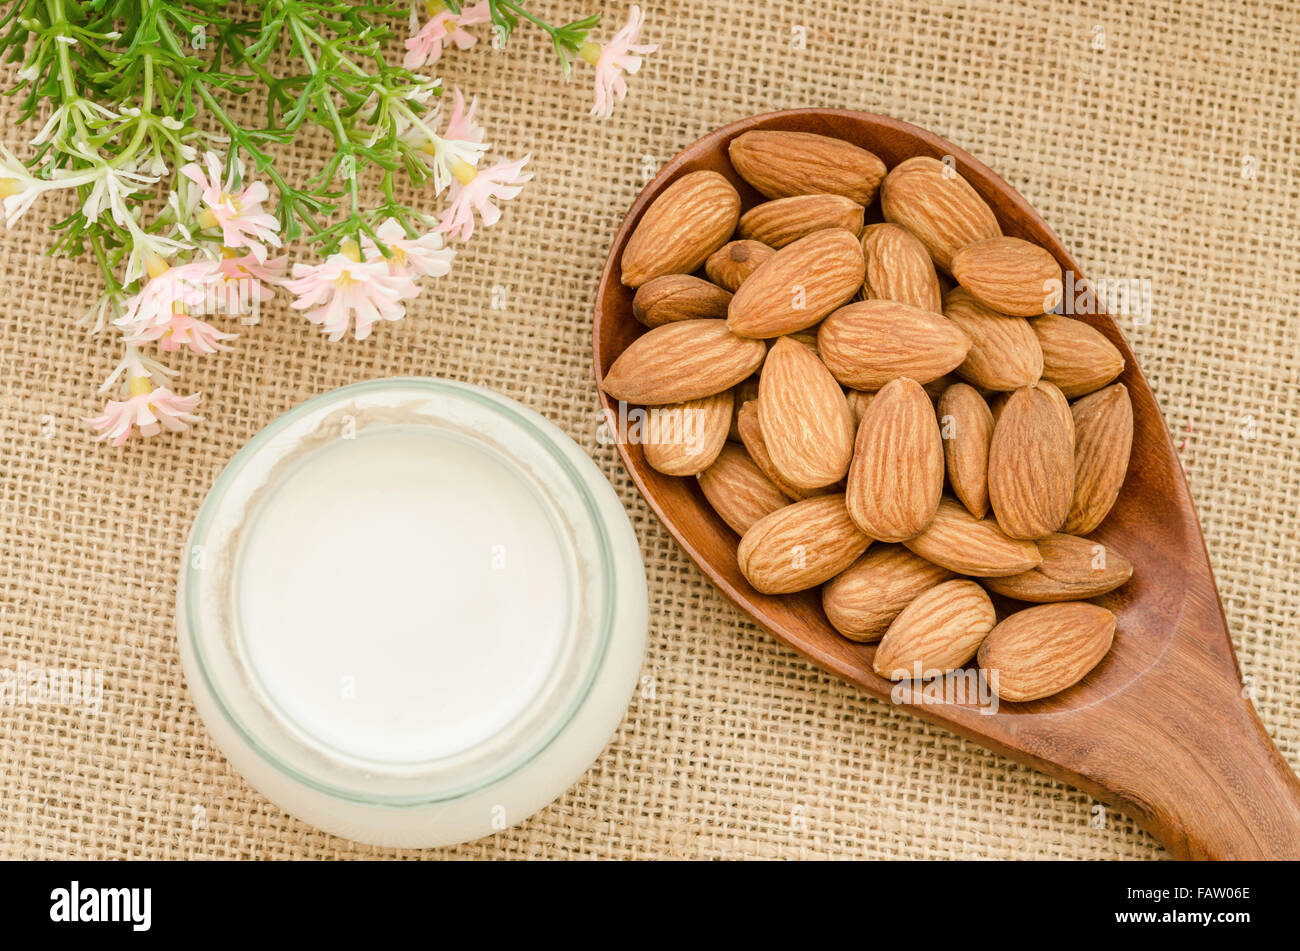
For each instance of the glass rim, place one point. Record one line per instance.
(491, 401)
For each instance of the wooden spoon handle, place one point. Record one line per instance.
(1184, 752)
(1216, 787)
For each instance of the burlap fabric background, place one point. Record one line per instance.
(1169, 154)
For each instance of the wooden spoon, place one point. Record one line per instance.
(1162, 728)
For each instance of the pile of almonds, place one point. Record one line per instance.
(885, 410)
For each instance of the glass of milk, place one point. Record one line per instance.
(411, 612)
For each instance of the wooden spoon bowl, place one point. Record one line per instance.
(1162, 728)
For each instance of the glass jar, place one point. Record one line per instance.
(411, 612)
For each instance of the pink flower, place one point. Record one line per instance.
(342, 287)
(183, 331)
(184, 288)
(461, 126)
(148, 413)
(502, 181)
(446, 27)
(248, 272)
(620, 55)
(424, 256)
(238, 214)
(455, 153)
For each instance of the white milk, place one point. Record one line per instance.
(403, 595)
(411, 612)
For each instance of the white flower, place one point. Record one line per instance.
(476, 192)
(237, 212)
(147, 247)
(112, 188)
(107, 307)
(59, 120)
(621, 55)
(456, 152)
(146, 411)
(135, 364)
(18, 189)
(424, 256)
(183, 331)
(183, 211)
(342, 288)
(182, 289)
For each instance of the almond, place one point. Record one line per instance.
(684, 360)
(972, 546)
(744, 391)
(1103, 439)
(1042, 650)
(692, 218)
(751, 434)
(938, 632)
(800, 546)
(806, 338)
(1010, 275)
(685, 438)
(738, 490)
(863, 601)
(1004, 351)
(933, 202)
(1073, 568)
(781, 164)
(1076, 357)
(966, 426)
(807, 424)
(734, 261)
(786, 220)
(1031, 466)
(859, 400)
(896, 477)
(999, 401)
(899, 268)
(868, 343)
(799, 285)
(1060, 402)
(939, 385)
(678, 297)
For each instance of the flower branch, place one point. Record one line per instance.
(181, 203)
